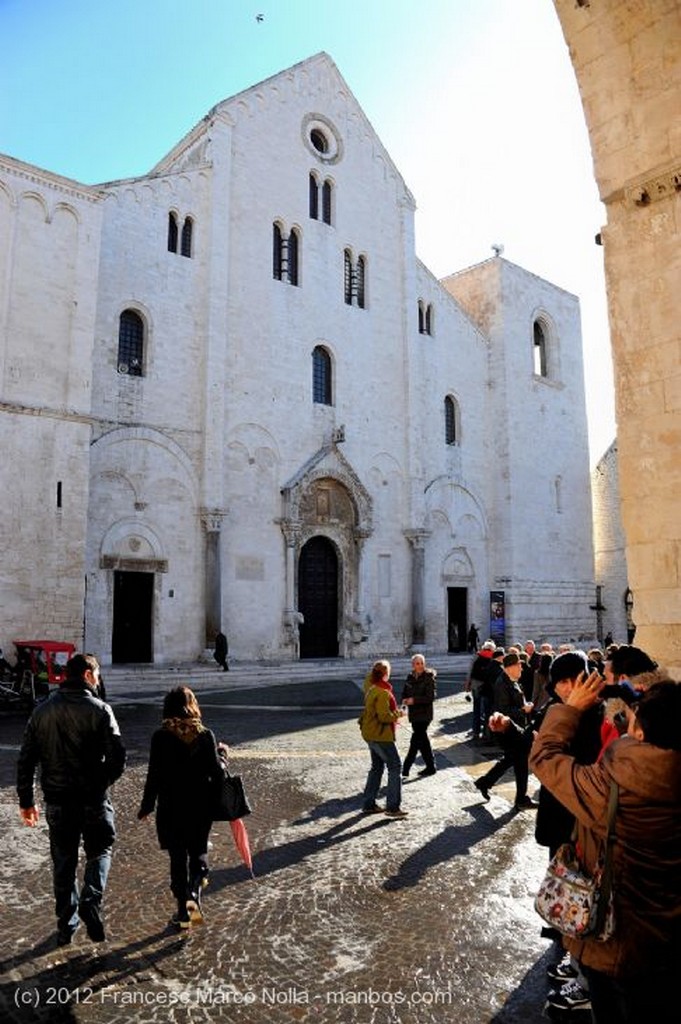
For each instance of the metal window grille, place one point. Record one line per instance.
(131, 343)
(186, 243)
(314, 198)
(321, 376)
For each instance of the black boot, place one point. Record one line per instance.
(181, 918)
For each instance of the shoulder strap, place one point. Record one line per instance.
(606, 875)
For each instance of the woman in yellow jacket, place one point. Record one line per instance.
(378, 730)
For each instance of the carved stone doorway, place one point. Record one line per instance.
(318, 599)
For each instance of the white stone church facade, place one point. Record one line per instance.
(232, 396)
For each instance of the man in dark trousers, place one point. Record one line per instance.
(75, 740)
(509, 702)
(221, 651)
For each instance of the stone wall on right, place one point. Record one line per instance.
(627, 59)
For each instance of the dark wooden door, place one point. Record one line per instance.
(457, 624)
(318, 599)
(132, 608)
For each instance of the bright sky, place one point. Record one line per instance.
(475, 100)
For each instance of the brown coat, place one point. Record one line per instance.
(647, 848)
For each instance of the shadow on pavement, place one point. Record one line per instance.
(453, 841)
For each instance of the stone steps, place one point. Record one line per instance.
(136, 679)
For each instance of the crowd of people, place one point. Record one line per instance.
(558, 714)
(578, 721)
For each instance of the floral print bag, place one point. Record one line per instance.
(574, 903)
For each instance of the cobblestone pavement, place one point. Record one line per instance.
(351, 918)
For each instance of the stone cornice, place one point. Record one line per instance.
(663, 183)
(46, 179)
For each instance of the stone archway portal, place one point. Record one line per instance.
(318, 599)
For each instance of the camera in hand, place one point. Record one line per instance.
(624, 691)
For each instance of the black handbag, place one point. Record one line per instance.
(231, 801)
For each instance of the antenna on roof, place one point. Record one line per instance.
(497, 248)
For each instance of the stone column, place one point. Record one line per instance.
(417, 539)
(211, 520)
(360, 614)
(292, 617)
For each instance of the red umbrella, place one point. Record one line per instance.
(242, 843)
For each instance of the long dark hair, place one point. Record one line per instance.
(181, 703)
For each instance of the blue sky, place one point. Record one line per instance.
(475, 100)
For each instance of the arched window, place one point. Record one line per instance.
(321, 376)
(186, 243)
(429, 319)
(172, 232)
(319, 140)
(539, 350)
(347, 277)
(293, 250)
(314, 197)
(451, 421)
(422, 319)
(277, 251)
(130, 343)
(327, 190)
(360, 276)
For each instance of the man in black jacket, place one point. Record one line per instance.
(74, 738)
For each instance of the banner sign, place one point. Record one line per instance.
(497, 616)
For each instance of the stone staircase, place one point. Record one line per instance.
(142, 680)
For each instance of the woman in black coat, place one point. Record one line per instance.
(182, 779)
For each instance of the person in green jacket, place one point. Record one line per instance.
(378, 730)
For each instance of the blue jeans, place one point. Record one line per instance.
(383, 755)
(68, 823)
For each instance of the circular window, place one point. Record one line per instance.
(322, 139)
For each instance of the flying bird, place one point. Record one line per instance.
(260, 17)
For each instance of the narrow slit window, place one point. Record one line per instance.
(539, 350)
(326, 202)
(314, 198)
(172, 232)
(293, 256)
(360, 275)
(277, 247)
(321, 376)
(186, 243)
(450, 421)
